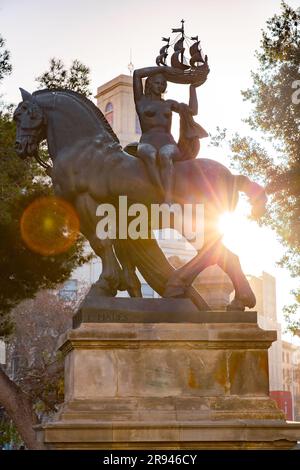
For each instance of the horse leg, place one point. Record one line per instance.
(110, 279)
(215, 253)
(184, 276)
(244, 296)
(131, 281)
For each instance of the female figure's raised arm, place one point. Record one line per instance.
(196, 77)
(193, 103)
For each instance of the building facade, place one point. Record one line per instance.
(115, 100)
(291, 375)
(264, 288)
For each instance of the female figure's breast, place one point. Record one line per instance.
(156, 114)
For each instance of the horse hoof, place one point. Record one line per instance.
(134, 292)
(236, 304)
(101, 289)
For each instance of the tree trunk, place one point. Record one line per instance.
(19, 409)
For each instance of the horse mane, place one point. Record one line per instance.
(83, 99)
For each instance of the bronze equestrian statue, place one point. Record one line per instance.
(90, 168)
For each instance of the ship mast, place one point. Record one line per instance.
(179, 49)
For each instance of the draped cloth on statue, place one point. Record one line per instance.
(190, 133)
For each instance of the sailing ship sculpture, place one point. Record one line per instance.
(178, 60)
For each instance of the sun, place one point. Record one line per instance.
(239, 235)
(231, 226)
(256, 246)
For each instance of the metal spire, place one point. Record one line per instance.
(130, 65)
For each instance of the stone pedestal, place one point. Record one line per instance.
(168, 385)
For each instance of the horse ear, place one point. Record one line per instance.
(26, 96)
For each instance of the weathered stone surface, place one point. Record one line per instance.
(248, 372)
(229, 434)
(168, 386)
(198, 335)
(160, 409)
(154, 372)
(94, 373)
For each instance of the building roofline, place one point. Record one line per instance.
(123, 80)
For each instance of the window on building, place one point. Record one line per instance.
(69, 290)
(109, 113)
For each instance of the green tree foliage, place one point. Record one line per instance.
(24, 272)
(5, 65)
(76, 78)
(275, 96)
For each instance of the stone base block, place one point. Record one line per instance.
(168, 386)
(228, 434)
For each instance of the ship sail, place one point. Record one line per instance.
(163, 53)
(178, 46)
(178, 52)
(176, 62)
(196, 53)
(164, 49)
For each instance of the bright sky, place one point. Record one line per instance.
(101, 34)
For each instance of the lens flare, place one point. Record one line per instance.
(49, 226)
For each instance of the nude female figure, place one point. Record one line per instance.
(157, 147)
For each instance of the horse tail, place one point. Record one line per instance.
(254, 191)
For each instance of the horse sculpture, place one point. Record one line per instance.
(90, 168)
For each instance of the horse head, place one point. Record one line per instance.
(31, 126)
